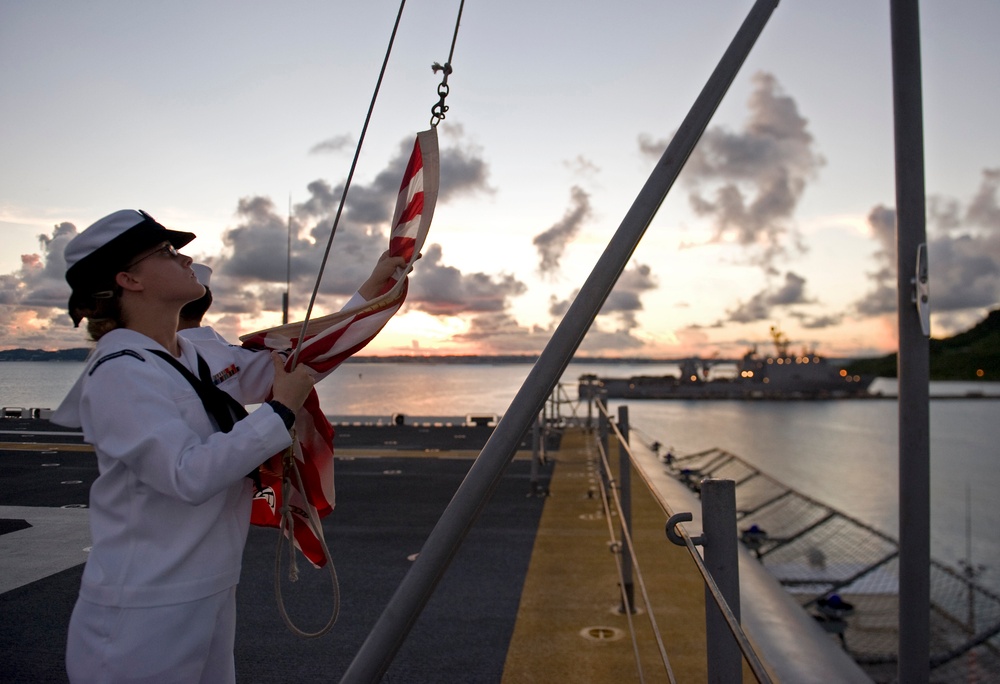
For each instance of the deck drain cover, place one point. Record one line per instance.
(601, 633)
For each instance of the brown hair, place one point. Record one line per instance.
(103, 313)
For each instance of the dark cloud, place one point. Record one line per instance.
(250, 275)
(444, 290)
(33, 298)
(984, 208)
(253, 270)
(964, 272)
(581, 166)
(818, 322)
(464, 171)
(963, 253)
(623, 299)
(40, 283)
(760, 305)
(750, 182)
(552, 242)
(616, 323)
(881, 299)
(331, 145)
(500, 333)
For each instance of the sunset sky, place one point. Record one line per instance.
(216, 116)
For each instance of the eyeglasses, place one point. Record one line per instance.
(167, 250)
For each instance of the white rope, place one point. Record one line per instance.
(287, 531)
(287, 520)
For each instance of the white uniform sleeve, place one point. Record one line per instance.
(166, 438)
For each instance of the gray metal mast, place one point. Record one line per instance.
(379, 648)
(914, 348)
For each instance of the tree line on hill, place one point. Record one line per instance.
(970, 355)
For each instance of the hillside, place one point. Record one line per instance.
(79, 354)
(971, 355)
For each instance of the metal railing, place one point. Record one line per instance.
(725, 637)
(816, 553)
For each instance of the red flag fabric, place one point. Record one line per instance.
(327, 342)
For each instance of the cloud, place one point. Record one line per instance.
(984, 208)
(749, 182)
(827, 321)
(250, 274)
(760, 305)
(254, 268)
(500, 333)
(552, 242)
(624, 298)
(963, 253)
(463, 173)
(33, 298)
(332, 145)
(442, 290)
(617, 322)
(881, 299)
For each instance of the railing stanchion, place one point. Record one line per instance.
(718, 513)
(625, 490)
(536, 453)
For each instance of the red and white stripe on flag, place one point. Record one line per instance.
(331, 339)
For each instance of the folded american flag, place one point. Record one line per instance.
(326, 343)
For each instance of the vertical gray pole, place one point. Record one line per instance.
(602, 423)
(718, 514)
(914, 351)
(625, 490)
(603, 428)
(536, 453)
(379, 648)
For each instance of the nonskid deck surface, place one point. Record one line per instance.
(530, 595)
(386, 507)
(387, 503)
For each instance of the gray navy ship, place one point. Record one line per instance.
(782, 375)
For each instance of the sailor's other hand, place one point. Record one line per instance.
(291, 388)
(384, 268)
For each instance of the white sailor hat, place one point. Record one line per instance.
(96, 255)
(202, 272)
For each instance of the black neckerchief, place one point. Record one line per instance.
(223, 409)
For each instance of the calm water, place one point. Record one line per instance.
(843, 453)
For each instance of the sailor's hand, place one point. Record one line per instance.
(383, 270)
(291, 389)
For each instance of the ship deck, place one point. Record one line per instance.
(532, 594)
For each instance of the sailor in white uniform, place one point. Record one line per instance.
(170, 509)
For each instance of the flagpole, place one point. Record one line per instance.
(914, 348)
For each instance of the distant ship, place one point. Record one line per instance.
(781, 376)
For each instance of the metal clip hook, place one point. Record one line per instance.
(922, 290)
(672, 533)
